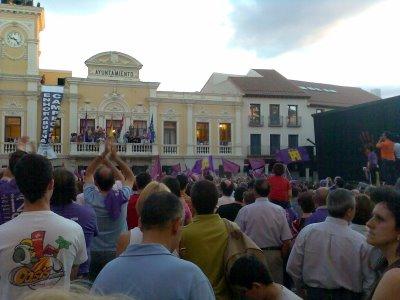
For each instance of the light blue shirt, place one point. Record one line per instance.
(109, 229)
(265, 223)
(151, 272)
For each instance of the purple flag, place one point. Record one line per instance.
(155, 170)
(230, 166)
(176, 169)
(290, 155)
(256, 163)
(197, 167)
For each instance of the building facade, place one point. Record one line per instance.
(233, 116)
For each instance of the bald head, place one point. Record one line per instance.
(104, 178)
(320, 196)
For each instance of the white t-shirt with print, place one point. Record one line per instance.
(288, 295)
(38, 249)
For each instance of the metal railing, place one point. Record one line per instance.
(294, 121)
(256, 121)
(275, 121)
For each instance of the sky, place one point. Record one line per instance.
(182, 42)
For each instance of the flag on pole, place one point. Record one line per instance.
(230, 166)
(151, 135)
(155, 170)
(256, 163)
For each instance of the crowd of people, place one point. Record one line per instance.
(121, 236)
(91, 135)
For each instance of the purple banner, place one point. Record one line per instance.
(256, 163)
(203, 164)
(155, 170)
(291, 155)
(230, 166)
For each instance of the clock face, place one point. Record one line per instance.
(14, 39)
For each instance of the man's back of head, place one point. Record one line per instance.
(341, 204)
(261, 187)
(183, 181)
(204, 196)
(173, 184)
(104, 178)
(321, 194)
(33, 174)
(142, 179)
(159, 209)
(14, 158)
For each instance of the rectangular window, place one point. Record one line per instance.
(202, 133)
(292, 114)
(293, 140)
(139, 129)
(255, 112)
(274, 115)
(12, 129)
(255, 144)
(170, 129)
(55, 135)
(225, 134)
(90, 125)
(275, 143)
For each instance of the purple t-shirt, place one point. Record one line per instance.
(85, 216)
(11, 200)
(373, 159)
(318, 216)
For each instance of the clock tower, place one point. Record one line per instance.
(20, 26)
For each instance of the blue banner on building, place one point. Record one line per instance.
(51, 103)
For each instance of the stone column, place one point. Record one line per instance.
(189, 150)
(31, 118)
(33, 59)
(238, 131)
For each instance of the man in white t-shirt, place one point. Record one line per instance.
(38, 248)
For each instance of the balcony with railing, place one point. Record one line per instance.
(275, 121)
(225, 150)
(170, 149)
(8, 148)
(293, 121)
(57, 147)
(123, 149)
(256, 121)
(203, 149)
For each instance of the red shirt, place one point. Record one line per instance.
(279, 188)
(132, 217)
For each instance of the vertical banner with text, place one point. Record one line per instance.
(51, 103)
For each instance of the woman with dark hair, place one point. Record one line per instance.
(307, 204)
(384, 234)
(364, 207)
(280, 190)
(62, 203)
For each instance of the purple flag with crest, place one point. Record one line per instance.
(291, 155)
